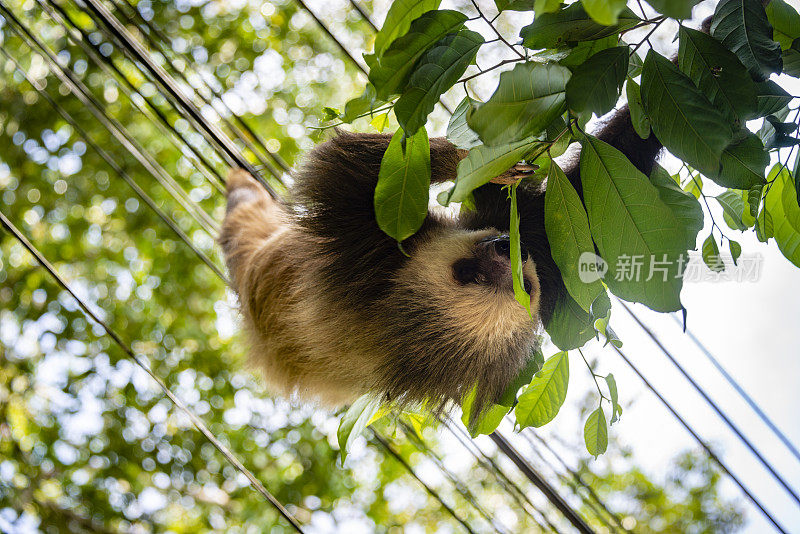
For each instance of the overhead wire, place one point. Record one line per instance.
(381, 441)
(111, 162)
(572, 515)
(709, 451)
(740, 390)
(224, 145)
(241, 129)
(591, 501)
(460, 487)
(140, 362)
(511, 487)
(578, 479)
(79, 36)
(116, 129)
(713, 404)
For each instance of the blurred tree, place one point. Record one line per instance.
(87, 441)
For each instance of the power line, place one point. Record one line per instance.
(396, 455)
(538, 480)
(196, 421)
(740, 390)
(117, 169)
(592, 500)
(112, 125)
(106, 64)
(149, 30)
(712, 404)
(224, 144)
(457, 484)
(700, 441)
(491, 466)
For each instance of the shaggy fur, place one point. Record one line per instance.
(334, 309)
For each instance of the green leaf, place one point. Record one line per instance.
(606, 12)
(519, 5)
(785, 22)
(743, 28)
(390, 72)
(401, 195)
(736, 250)
(527, 99)
(546, 6)
(437, 70)
(732, 209)
(570, 326)
(534, 365)
(398, 20)
(682, 117)
(781, 206)
(567, 228)
(355, 420)
(764, 226)
(635, 64)
(684, 205)
(616, 409)
(484, 163)
(694, 186)
(515, 255)
(640, 120)
(458, 131)
(601, 327)
(711, 255)
(718, 73)
(329, 114)
(360, 105)
(631, 225)
(743, 164)
(486, 422)
(597, 83)
(771, 98)
(677, 9)
(572, 24)
(586, 49)
(595, 433)
(379, 122)
(791, 60)
(542, 399)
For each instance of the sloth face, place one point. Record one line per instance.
(490, 265)
(467, 275)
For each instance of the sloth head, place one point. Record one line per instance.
(453, 321)
(467, 275)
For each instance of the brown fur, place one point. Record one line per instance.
(334, 309)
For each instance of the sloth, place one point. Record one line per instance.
(334, 309)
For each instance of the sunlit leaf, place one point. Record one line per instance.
(571, 24)
(355, 420)
(542, 399)
(401, 195)
(743, 28)
(437, 70)
(527, 99)
(595, 433)
(567, 228)
(390, 72)
(682, 117)
(596, 84)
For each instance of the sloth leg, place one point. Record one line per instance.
(251, 218)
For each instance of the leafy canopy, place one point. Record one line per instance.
(570, 63)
